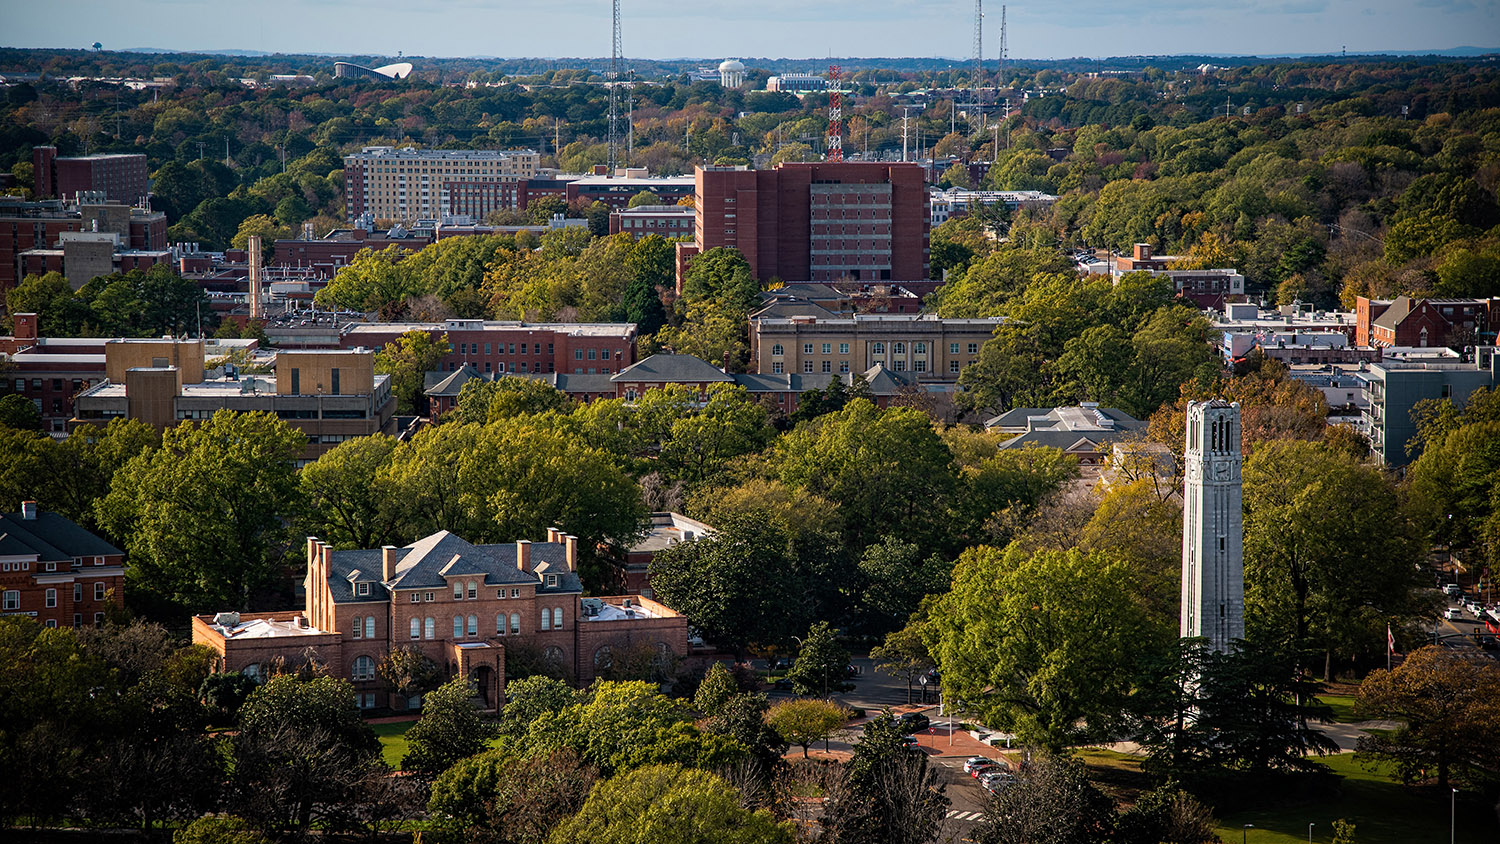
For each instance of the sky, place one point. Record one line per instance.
(761, 28)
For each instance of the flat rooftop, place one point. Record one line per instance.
(267, 628)
(575, 329)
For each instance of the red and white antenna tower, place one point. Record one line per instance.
(835, 116)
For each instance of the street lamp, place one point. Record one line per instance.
(1309, 833)
(1244, 833)
(1452, 816)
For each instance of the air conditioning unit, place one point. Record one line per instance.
(227, 619)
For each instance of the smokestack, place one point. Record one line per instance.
(28, 511)
(523, 554)
(387, 563)
(255, 277)
(571, 542)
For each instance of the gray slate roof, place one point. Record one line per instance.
(428, 562)
(672, 368)
(51, 536)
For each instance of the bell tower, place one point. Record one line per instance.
(1213, 532)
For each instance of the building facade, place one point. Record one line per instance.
(122, 177)
(407, 184)
(1213, 533)
(850, 221)
(497, 346)
(461, 605)
(54, 571)
(665, 220)
(1423, 323)
(923, 345)
(26, 226)
(1395, 387)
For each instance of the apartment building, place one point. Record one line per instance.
(54, 571)
(923, 345)
(502, 346)
(120, 177)
(462, 605)
(410, 184)
(1395, 387)
(1419, 323)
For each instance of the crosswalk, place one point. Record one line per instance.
(954, 815)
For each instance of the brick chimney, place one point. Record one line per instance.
(28, 511)
(554, 534)
(25, 327)
(387, 563)
(523, 554)
(571, 542)
(1142, 252)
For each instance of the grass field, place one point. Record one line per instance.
(392, 740)
(1342, 706)
(1383, 812)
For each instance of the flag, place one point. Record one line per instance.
(1390, 640)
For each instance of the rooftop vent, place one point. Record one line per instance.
(227, 619)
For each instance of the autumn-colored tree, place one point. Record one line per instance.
(805, 722)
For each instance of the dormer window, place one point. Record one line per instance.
(551, 580)
(361, 588)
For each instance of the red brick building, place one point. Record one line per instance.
(460, 604)
(122, 178)
(850, 221)
(1420, 323)
(40, 225)
(497, 347)
(665, 220)
(54, 571)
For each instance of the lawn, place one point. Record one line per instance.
(392, 740)
(1342, 706)
(1383, 812)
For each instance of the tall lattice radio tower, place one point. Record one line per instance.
(835, 115)
(614, 94)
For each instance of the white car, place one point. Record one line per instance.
(1453, 613)
(975, 762)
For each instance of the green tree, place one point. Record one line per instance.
(895, 581)
(529, 698)
(347, 504)
(717, 688)
(203, 517)
(1013, 646)
(484, 401)
(672, 805)
(268, 227)
(20, 413)
(407, 360)
(1447, 714)
(451, 729)
(408, 672)
(374, 281)
(903, 654)
(1053, 801)
(729, 424)
(1454, 482)
(499, 797)
(742, 717)
(299, 752)
(805, 722)
(822, 663)
(645, 197)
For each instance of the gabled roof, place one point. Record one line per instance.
(428, 562)
(454, 383)
(789, 306)
(667, 367)
(1397, 312)
(52, 537)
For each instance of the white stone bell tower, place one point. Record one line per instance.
(1213, 529)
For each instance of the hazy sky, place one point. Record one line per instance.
(772, 28)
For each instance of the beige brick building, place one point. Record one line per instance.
(916, 345)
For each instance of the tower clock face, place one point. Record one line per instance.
(1221, 471)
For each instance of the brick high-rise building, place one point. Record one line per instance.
(420, 184)
(40, 225)
(122, 177)
(856, 221)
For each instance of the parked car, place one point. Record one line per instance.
(910, 742)
(912, 722)
(987, 768)
(1452, 613)
(974, 762)
(782, 684)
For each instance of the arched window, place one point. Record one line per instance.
(603, 658)
(878, 348)
(253, 672)
(430, 630)
(500, 624)
(416, 628)
(553, 654)
(458, 627)
(919, 348)
(898, 348)
(473, 625)
(777, 351)
(364, 668)
(557, 619)
(369, 627)
(473, 590)
(515, 623)
(458, 591)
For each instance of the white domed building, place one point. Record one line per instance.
(731, 73)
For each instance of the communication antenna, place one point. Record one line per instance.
(614, 97)
(835, 116)
(1000, 72)
(978, 44)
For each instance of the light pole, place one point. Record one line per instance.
(1309, 833)
(1452, 816)
(1245, 833)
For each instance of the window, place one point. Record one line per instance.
(486, 348)
(369, 627)
(427, 597)
(473, 590)
(843, 348)
(52, 624)
(878, 348)
(603, 658)
(77, 620)
(358, 627)
(952, 366)
(500, 593)
(776, 367)
(900, 365)
(361, 588)
(51, 598)
(458, 591)
(843, 366)
(919, 348)
(99, 591)
(777, 351)
(578, 354)
(827, 366)
(429, 628)
(415, 597)
(458, 627)
(515, 593)
(546, 618)
(416, 628)
(551, 580)
(898, 348)
(557, 618)
(827, 348)
(252, 671)
(919, 365)
(515, 623)
(807, 348)
(500, 624)
(952, 348)
(296, 381)
(335, 378)
(364, 668)
(973, 348)
(473, 625)
(77, 592)
(807, 366)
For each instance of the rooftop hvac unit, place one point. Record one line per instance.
(227, 619)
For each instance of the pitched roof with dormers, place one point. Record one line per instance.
(429, 562)
(52, 537)
(669, 368)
